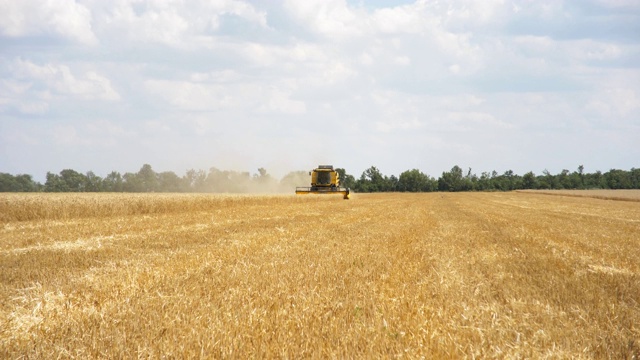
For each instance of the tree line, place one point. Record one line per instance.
(371, 180)
(456, 179)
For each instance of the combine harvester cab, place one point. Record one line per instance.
(324, 180)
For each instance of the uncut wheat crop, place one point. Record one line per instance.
(440, 275)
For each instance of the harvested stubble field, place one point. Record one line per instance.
(623, 195)
(455, 275)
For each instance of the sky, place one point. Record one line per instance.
(94, 85)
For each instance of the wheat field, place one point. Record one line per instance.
(439, 275)
(619, 195)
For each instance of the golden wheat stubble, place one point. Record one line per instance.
(438, 275)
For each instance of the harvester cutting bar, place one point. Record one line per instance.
(323, 191)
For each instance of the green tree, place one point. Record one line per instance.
(216, 181)
(470, 181)
(131, 182)
(195, 180)
(371, 180)
(529, 181)
(452, 180)
(148, 178)
(634, 177)
(346, 180)
(17, 183)
(595, 181)
(67, 181)
(168, 181)
(484, 183)
(7, 183)
(564, 180)
(415, 181)
(581, 176)
(550, 181)
(54, 183)
(618, 179)
(509, 181)
(93, 183)
(75, 181)
(390, 183)
(113, 182)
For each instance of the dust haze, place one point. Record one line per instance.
(225, 181)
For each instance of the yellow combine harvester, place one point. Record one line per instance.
(324, 180)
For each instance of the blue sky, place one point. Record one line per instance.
(491, 85)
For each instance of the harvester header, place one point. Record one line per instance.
(324, 180)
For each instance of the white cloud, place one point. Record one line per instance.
(402, 60)
(615, 104)
(163, 26)
(15, 86)
(629, 4)
(14, 93)
(395, 124)
(103, 126)
(595, 50)
(562, 52)
(223, 76)
(190, 96)
(172, 23)
(431, 83)
(92, 133)
(35, 87)
(365, 59)
(246, 97)
(280, 102)
(261, 55)
(332, 18)
(476, 12)
(66, 135)
(17, 137)
(538, 44)
(65, 18)
(33, 107)
(62, 81)
(408, 19)
(474, 121)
